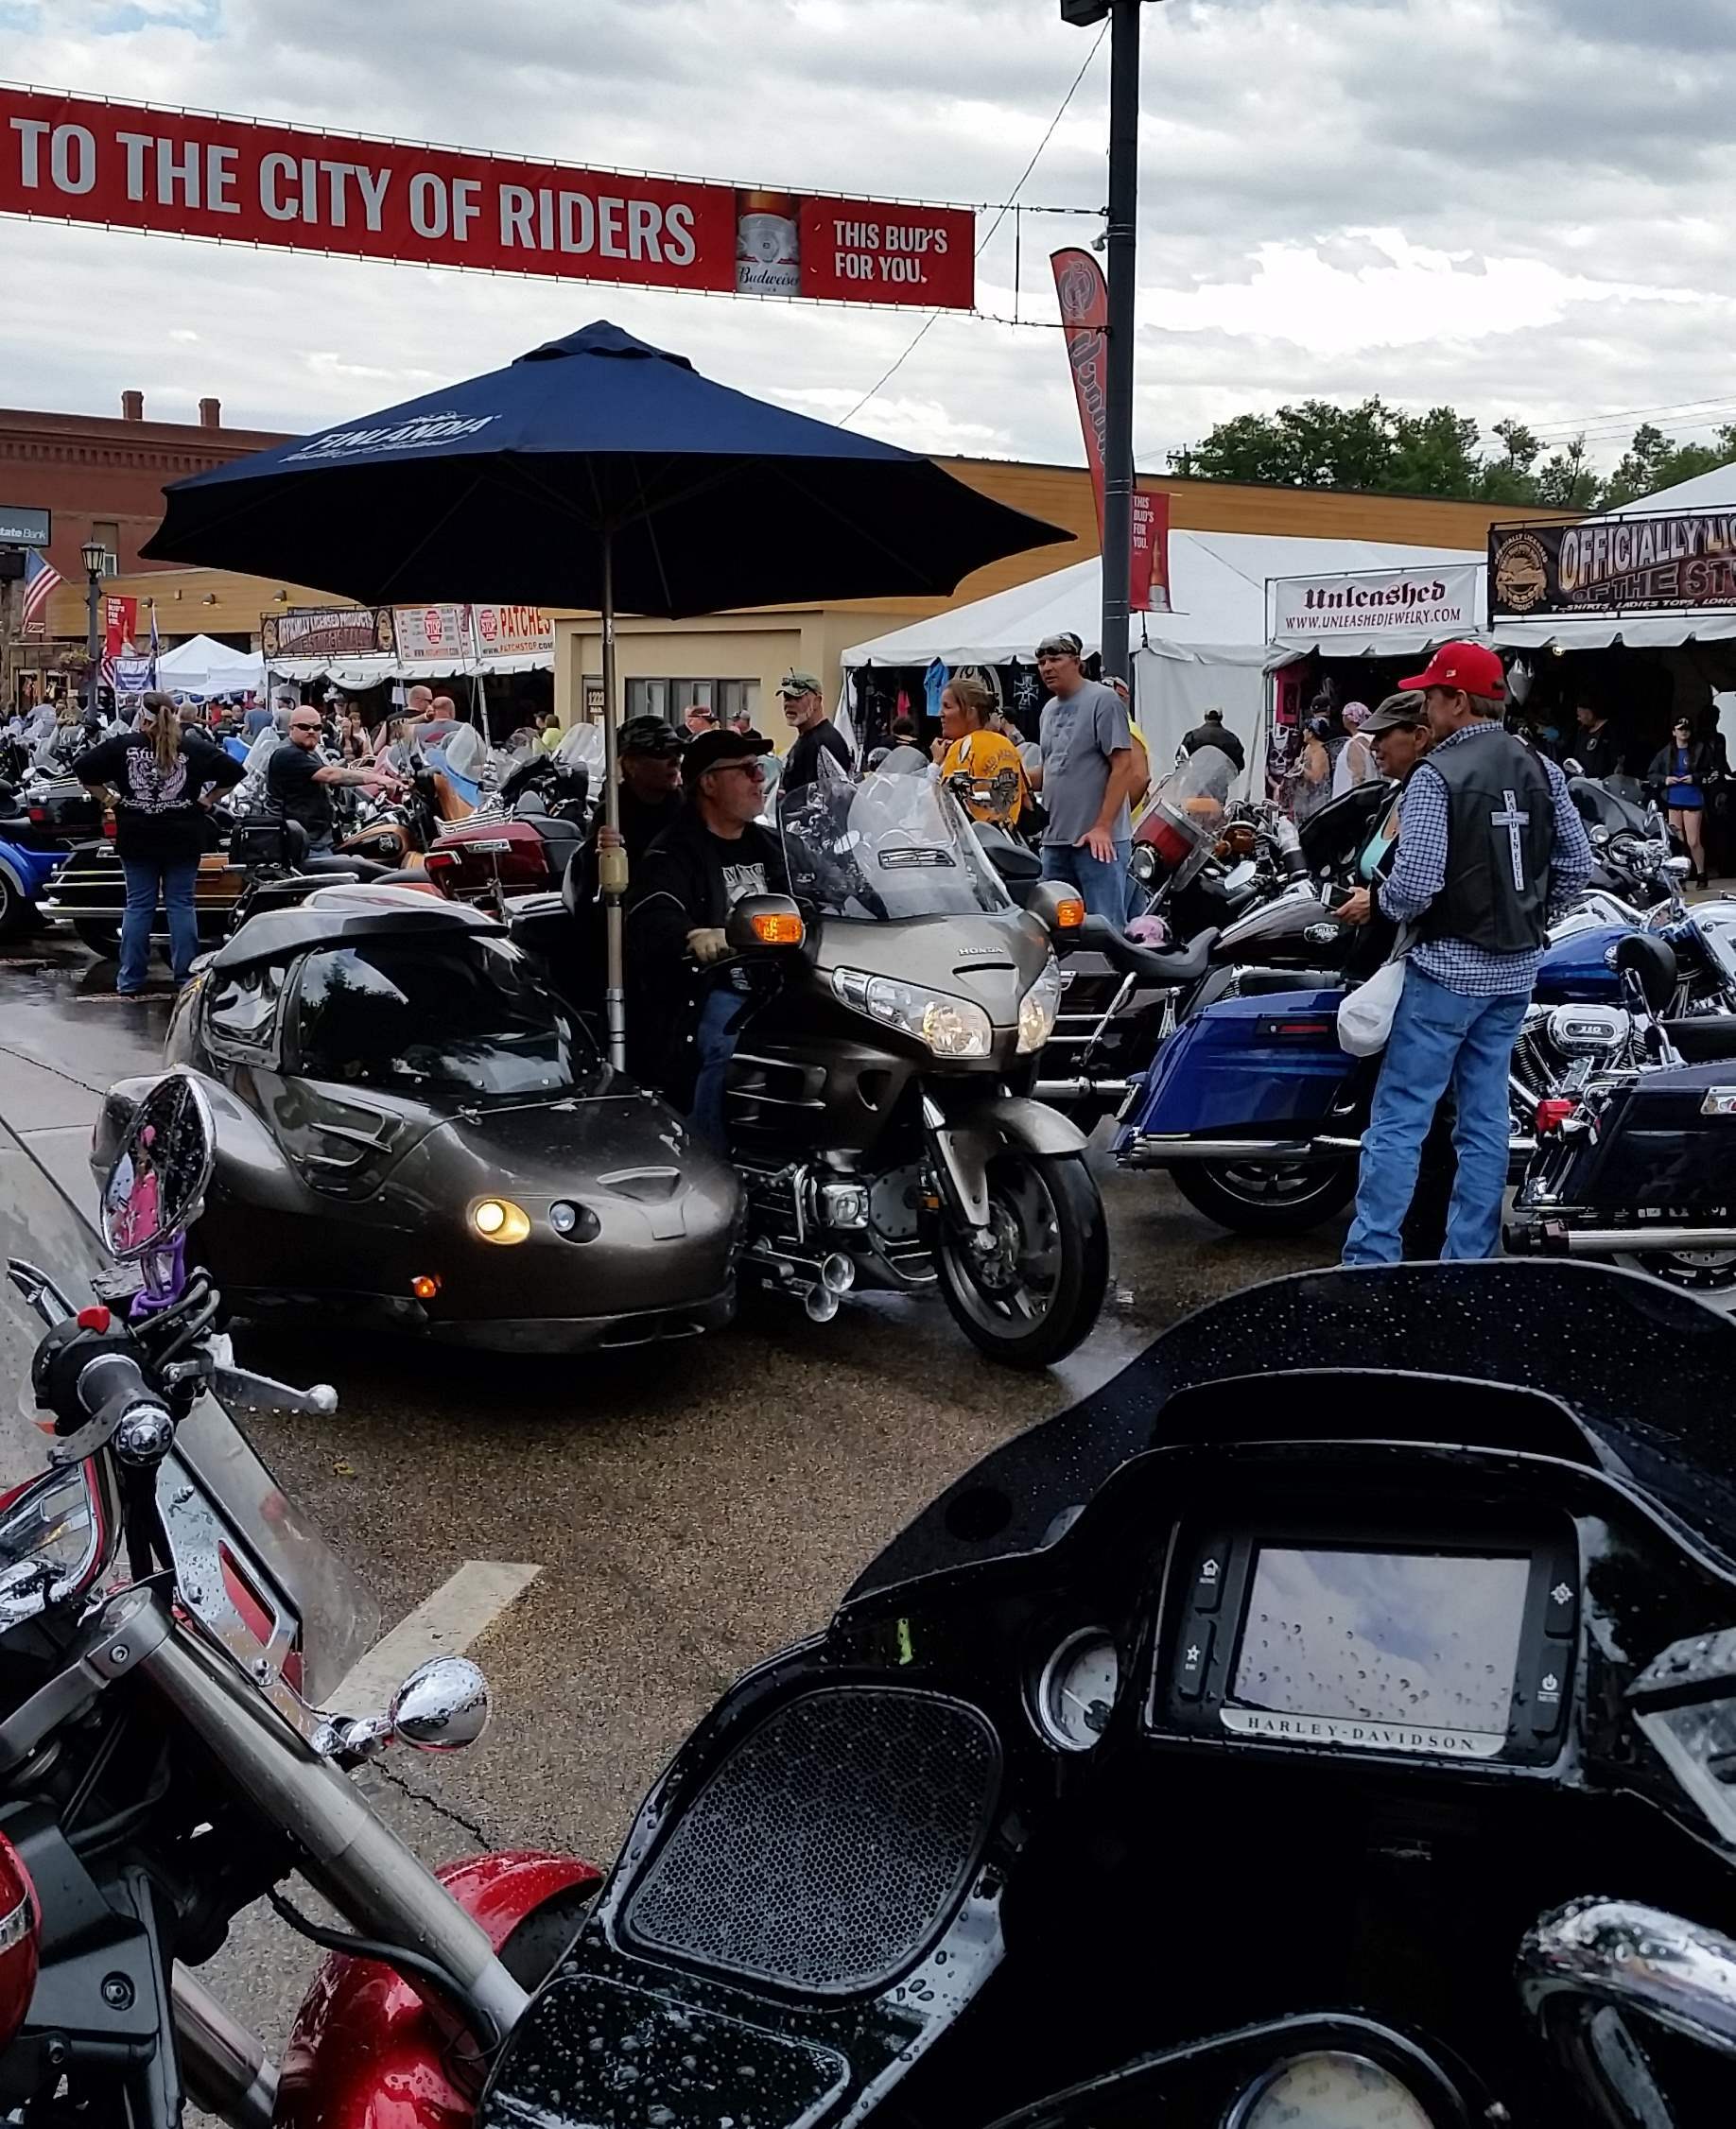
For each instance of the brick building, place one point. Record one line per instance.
(103, 476)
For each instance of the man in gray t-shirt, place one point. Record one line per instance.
(1088, 774)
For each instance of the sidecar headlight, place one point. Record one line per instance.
(951, 1027)
(1037, 1009)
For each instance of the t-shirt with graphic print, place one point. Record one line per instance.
(157, 814)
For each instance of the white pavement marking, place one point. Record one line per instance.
(445, 1624)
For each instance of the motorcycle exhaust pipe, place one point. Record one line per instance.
(1607, 1241)
(837, 1276)
(1168, 1149)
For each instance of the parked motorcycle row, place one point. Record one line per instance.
(908, 1107)
(1429, 1650)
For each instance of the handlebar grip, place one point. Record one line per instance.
(123, 1409)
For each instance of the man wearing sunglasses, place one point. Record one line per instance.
(299, 783)
(683, 1006)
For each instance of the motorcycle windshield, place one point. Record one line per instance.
(1638, 1378)
(339, 1619)
(888, 848)
(1186, 816)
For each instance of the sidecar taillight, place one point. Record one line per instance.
(21, 1922)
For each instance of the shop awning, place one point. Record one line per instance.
(1605, 631)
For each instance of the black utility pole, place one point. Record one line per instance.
(1122, 268)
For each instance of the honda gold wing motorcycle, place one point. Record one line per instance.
(876, 1104)
(173, 1630)
(1325, 1725)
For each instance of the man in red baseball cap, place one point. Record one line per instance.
(1490, 851)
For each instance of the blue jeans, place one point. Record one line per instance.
(715, 1040)
(1439, 1039)
(1105, 887)
(144, 877)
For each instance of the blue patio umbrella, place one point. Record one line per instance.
(593, 472)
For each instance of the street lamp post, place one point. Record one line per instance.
(96, 557)
(1122, 252)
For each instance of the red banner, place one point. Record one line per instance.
(1084, 313)
(80, 159)
(120, 625)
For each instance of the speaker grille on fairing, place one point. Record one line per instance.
(831, 1845)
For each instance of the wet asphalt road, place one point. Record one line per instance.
(692, 1507)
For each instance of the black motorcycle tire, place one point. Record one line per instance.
(1079, 1252)
(102, 935)
(14, 910)
(1211, 1187)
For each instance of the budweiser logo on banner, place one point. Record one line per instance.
(1084, 312)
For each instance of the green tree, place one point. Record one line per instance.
(1568, 481)
(1314, 444)
(1378, 447)
(1654, 460)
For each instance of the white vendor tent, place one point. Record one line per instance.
(203, 667)
(1210, 652)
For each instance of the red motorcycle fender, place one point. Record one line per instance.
(365, 2053)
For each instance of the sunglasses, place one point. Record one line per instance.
(737, 769)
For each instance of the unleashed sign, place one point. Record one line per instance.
(176, 173)
(1613, 564)
(1376, 603)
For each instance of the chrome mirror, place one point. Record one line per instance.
(442, 1707)
(155, 1187)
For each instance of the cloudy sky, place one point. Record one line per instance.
(1513, 205)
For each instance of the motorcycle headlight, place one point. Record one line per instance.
(951, 1027)
(1037, 1009)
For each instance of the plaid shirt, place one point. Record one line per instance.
(1419, 874)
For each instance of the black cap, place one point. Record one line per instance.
(712, 748)
(650, 735)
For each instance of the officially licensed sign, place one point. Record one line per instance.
(326, 631)
(81, 159)
(1613, 564)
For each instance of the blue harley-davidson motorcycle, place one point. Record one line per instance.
(24, 874)
(1258, 1113)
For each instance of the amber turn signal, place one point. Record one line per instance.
(425, 1285)
(1069, 914)
(778, 929)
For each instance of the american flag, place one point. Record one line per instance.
(40, 576)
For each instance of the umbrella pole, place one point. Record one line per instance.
(611, 865)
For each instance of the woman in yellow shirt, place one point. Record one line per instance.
(967, 747)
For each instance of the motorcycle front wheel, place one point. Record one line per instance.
(1267, 1196)
(1030, 1289)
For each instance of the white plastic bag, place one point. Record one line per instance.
(1365, 1017)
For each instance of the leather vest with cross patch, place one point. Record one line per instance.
(1500, 837)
